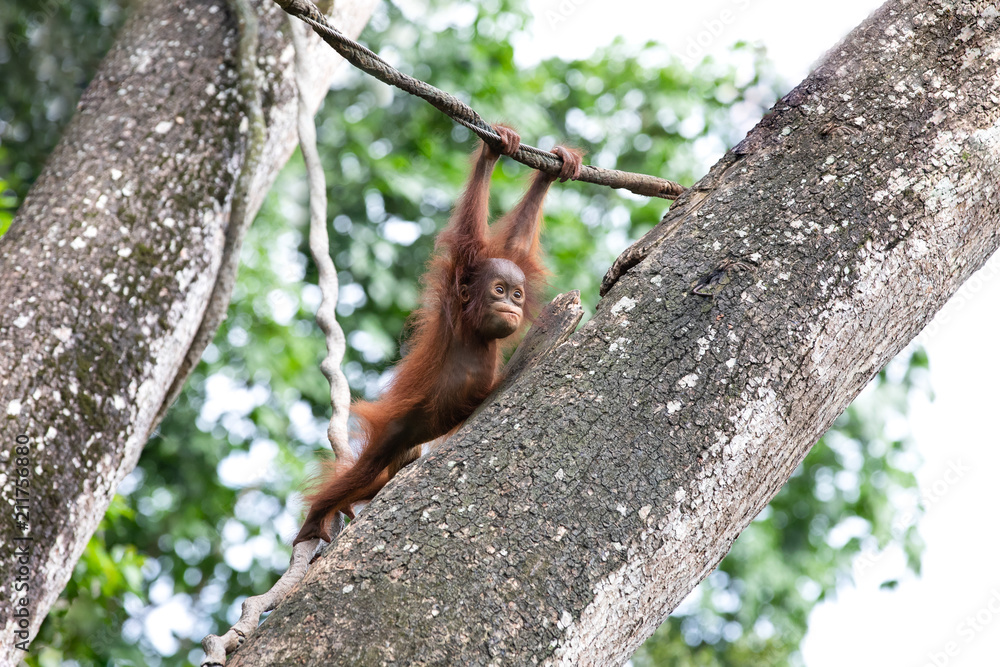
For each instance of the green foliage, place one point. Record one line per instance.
(8, 203)
(49, 51)
(91, 610)
(206, 517)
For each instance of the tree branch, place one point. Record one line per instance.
(254, 129)
(564, 522)
(132, 207)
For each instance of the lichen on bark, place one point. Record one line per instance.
(110, 261)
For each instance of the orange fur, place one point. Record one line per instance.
(449, 368)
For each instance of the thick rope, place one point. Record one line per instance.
(367, 61)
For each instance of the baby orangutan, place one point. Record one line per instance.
(482, 286)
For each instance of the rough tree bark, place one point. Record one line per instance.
(564, 522)
(109, 264)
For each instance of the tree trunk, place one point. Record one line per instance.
(564, 522)
(109, 265)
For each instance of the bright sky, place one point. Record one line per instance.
(950, 616)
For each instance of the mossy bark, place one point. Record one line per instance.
(108, 266)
